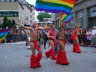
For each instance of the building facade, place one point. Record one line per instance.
(56, 19)
(29, 13)
(12, 10)
(19, 10)
(84, 14)
(45, 22)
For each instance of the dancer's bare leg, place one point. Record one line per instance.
(76, 41)
(33, 57)
(32, 48)
(52, 44)
(61, 46)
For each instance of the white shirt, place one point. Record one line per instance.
(89, 36)
(28, 38)
(93, 32)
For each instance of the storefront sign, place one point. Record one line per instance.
(93, 12)
(8, 13)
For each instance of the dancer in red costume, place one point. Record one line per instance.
(61, 56)
(74, 38)
(52, 42)
(34, 60)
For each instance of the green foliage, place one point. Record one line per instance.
(13, 23)
(42, 15)
(5, 22)
(0, 25)
(8, 23)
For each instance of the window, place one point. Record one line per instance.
(30, 16)
(10, 0)
(5, 0)
(79, 18)
(30, 21)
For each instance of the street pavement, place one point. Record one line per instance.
(14, 57)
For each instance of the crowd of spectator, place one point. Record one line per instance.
(87, 37)
(16, 35)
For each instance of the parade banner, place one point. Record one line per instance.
(55, 6)
(3, 34)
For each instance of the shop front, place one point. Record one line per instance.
(92, 17)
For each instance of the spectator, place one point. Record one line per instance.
(45, 38)
(94, 36)
(89, 37)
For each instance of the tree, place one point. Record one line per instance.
(42, 15)
(0, 25)
(9, 23)
(13, 23)
(5, 22)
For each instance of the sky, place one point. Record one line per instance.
(33, 2)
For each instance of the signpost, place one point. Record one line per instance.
(9, 14)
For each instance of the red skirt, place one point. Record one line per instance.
(73, 37)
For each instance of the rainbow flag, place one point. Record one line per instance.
(55, 6)
(69, 18)
(3, 34)
(65, 18)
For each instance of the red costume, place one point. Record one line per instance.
(76, 46)
(35, 60)
(61, 57)
(36, 45)
(51, 52)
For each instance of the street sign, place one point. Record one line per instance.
(8, 13)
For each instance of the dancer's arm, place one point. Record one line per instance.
(42, 28)
(28, 28)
